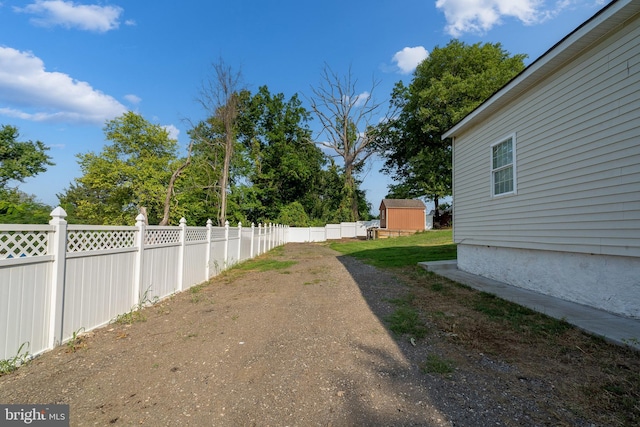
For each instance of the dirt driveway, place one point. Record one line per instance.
(303, 345)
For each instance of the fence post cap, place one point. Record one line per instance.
(58, 213)
(209, 222)
(183, 221)
(139, 219)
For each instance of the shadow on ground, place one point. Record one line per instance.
(479, 390)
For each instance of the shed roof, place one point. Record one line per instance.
(403, 203)
(606, 20)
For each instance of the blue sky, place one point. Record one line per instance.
(68, 66)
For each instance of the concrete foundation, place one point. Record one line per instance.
(605, 282)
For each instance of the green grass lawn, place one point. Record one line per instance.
(436, 245)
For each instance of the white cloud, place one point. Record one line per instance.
(68, 14)
(30, 92)
(479, 16)
(408, 58)
(172, 131)
(133, 99)
(358, 100)
(361, 99)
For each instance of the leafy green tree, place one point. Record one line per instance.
(17, 207)
(333, 201)
(275, 170)
(131, 173)
(20, 159)
(293, 215)
(446, 86)
(285, 165)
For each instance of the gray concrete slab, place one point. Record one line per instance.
(613, 328)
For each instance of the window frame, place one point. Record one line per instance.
(493, 170)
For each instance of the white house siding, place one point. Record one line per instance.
(578, 160)
(578, 182)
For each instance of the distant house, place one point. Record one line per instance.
(546, 172)
(402, 215)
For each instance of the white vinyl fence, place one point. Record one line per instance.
(58, 279)
(347, 230)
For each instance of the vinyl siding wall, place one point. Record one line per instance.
(578, 160)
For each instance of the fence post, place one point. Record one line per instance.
(208, 256)
(57, 247)
(226, 244)
(259, 241)
(137, 280)
(239, 240)
(253, 228)
(270, 236)
(183, 244)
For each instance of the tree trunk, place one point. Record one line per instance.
(172, 182)
(228, 153)
(219, 95)
(353, 197)
(436, 211)
(143, 211)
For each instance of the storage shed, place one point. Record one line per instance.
(402, 215)
(546, 172)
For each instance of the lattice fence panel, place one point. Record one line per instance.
(95, 240)
(217, 233)
(18, 244)
(196, 234)
(162, 236)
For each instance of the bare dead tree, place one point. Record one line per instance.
(219, 96)
(345, 115)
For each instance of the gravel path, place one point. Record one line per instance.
(301, 346)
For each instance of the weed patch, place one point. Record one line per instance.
(22, 356)
(76, 342)
(136, 314)
(436, 365)
(406, 320)
(195, 292)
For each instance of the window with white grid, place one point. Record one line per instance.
(503, 167)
